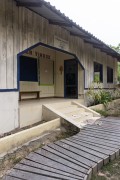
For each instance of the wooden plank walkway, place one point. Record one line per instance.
(74, 158)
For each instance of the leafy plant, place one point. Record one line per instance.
(99, 96)
(105, 97)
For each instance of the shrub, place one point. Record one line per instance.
(116, 93)
(99, 96)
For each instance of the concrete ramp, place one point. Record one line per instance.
(72, 111)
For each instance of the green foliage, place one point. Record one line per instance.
(99, 96)
(116, 93)
(105, 97)
(102, 112)
(116, 48)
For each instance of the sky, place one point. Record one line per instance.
(99, 17)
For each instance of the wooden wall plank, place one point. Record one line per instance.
(16, 39)
(36, 28)
(30, 34)
(20, 9)
(9, 18)
(24, 29)
(3, 45)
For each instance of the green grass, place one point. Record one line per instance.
(109, 172)
(98, 178)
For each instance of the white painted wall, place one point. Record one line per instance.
(8, 111)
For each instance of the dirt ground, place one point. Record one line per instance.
(109, 172)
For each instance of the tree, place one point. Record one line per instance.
(117, 49)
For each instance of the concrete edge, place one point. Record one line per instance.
(87, 109)
(15, 140)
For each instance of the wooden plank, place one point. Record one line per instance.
(46, 168)
(30, 34)
(59, 146)
(12, 178)
(48, 150)
(82, 170)
(21, 174)
(20, 24)
(49, 162)
(110, 119)
(42, 172)
(9, 19)
(36, 28)
(110, 122)
(100, 129)
(101, 132)
(63, 157)
(98, 144)
(3, 45)
(98, 141)
(54, 150)
(98, 148)
(16, 45)
(25, 29)
(107, 125)
(92, 142)
(110, 128)
(98, 138)
(88, 150)
(81, 161)
(109, 138)
(45, 32)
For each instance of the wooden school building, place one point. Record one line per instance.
(44, 54)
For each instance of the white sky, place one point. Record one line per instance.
(99, 17)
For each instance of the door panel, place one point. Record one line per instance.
(71, 78)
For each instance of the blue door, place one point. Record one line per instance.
(71, 78)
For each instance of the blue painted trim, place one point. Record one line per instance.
(51, 47)
(34, 46)
(8, 90)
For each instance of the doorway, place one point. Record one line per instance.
(71, 78)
